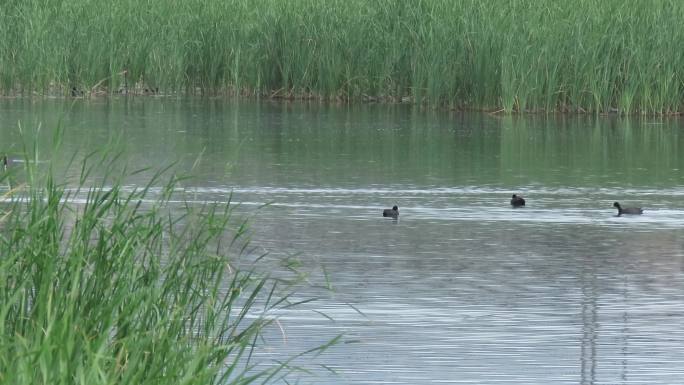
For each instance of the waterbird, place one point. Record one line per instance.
(517, 201)
(75, 92)
(393, 212)
(628, 210)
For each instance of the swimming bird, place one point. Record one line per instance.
(75, 92)
(393, 212)
(517, 201)
(628, 210)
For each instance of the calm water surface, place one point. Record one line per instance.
(461, 289)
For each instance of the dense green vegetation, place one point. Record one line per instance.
(105, 286)
(517, 55)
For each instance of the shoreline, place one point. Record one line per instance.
(289, 96)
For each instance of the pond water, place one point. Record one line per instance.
(462, 288)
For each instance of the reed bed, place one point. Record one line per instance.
(515, 55)
(100, 285)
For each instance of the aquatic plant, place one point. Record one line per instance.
(515, 55)
(100, 284)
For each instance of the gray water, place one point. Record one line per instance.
(462, 288)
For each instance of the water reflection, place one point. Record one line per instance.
(589, 326)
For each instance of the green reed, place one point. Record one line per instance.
(516, 55)
(104, 285)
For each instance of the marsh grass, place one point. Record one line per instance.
(103, 285)
(516, 55)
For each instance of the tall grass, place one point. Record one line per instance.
(516, 55)
(100, 285)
